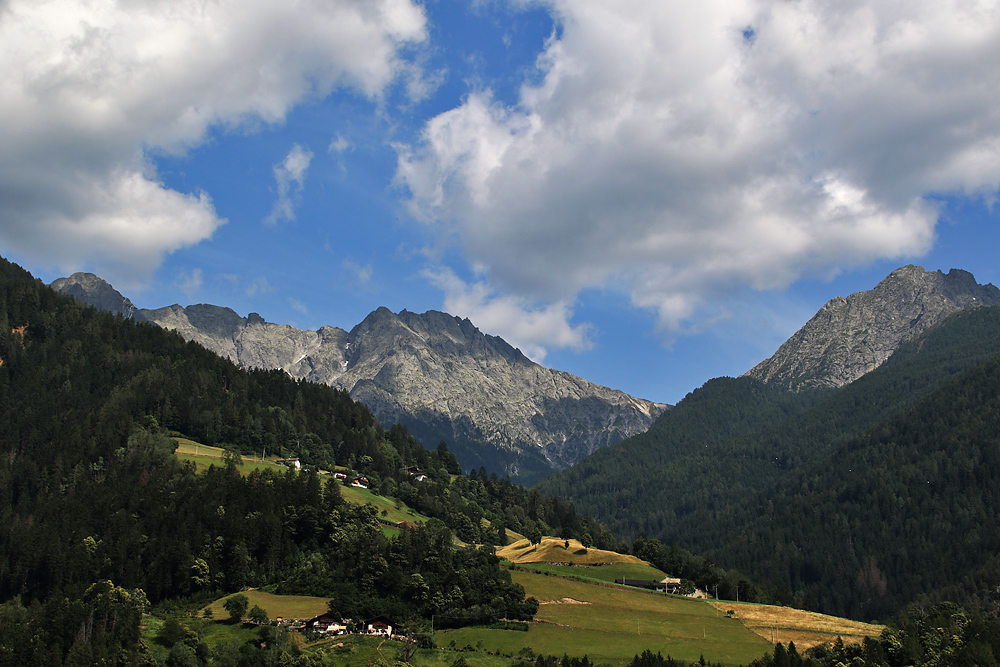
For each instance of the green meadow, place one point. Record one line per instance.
(284, 606)
(612, 624)
(389, 509)
(203, 456)
(603, 573)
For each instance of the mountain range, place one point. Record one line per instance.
(854, 471)
(433, 372)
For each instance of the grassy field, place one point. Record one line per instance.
(612, 624)
(604, 573)
(285, 606)
(805, 628)
(554, 550)
(203, 456)
(395, 511)
(213, 633)
(360, 650)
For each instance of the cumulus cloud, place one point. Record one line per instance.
(289, 178)
(532, 328)
(679, 151)
(88, 89)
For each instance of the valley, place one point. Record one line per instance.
(135, 481)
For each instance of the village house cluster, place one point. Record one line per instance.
(359, 481)
(332, 624)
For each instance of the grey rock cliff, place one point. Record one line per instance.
(851, 336)
(434, 372)
(90, 289)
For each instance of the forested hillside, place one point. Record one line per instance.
(718, 464)
(90, 489)
(908, 509)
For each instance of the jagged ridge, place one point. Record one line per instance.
(434, 372)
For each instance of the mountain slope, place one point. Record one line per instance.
(815, 491)
(733, 438)
(850, 337)
(906, 509)
(435, 373)
(90, 488)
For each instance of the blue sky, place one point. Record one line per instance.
(647, 195)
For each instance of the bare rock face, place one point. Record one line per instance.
(317, 356)
(850, 337)
(484, 389)
(90, 289)
(436, 373)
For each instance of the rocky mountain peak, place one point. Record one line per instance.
(851, 336)
(436, 373)
(95, 291)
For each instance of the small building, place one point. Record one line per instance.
(380, 625)
(360, 482)
(416, 473)
(339, 475)
(327, 623)
(670, 585)
(294, 464)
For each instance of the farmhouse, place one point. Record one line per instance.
(416, 473)
(668, 585)
(380, 625)
(327, 623)
(360, 482)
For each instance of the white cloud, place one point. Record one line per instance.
(362, 273)
(298, 306)
(88, 88)
(532, 328)
(259, 285)
(681, 150)
(289, 178)
(189, 283)
(338, 145)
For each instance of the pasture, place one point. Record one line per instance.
(284, 606)
(601, 573)
(612, 624)
(203, 456)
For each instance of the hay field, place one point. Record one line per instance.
(553, 550)
(805, 628)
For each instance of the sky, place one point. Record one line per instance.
(645, 193)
